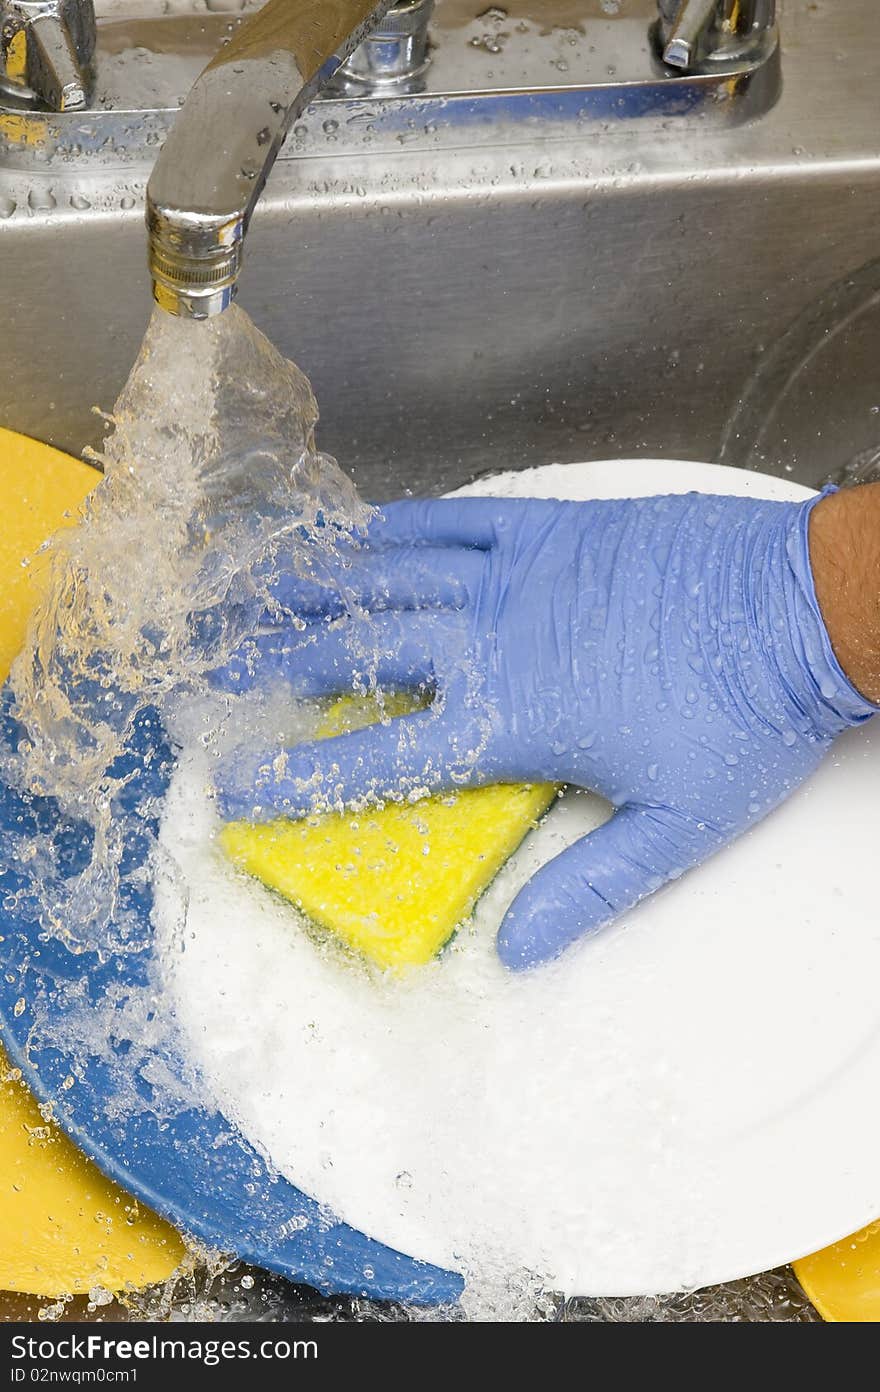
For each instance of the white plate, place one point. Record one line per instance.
(722, 1041)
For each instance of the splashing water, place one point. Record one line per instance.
(210, 470)
(212, 480)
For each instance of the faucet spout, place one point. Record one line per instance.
(213, 167)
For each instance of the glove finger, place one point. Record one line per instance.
(399, 578)
(405, 758)
(597, 878)
(395, 649)
(462, 522)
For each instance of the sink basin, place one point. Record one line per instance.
(501, 296)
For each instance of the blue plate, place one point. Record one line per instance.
(192, 1166)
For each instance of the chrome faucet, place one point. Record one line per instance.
(215, 162)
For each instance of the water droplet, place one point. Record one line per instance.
(661, 560)
(404, 1180)
(731, 760)
(247, 1282)
(7, 206)
(789, 738)
(126, 202)
(652, 772)
(330, 126)
(79, 202)
(587, 741)
(19, 1007)
(41, 200)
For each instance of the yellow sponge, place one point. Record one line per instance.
(393, 883)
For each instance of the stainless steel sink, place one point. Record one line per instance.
(474, 284)
(544, 283)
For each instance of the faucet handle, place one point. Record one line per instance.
(394, 55)
(687, 31)
(47, 48)
(692, 32)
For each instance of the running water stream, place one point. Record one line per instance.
(210, 470)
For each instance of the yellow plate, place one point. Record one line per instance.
(843, 1281)
(64, 1228)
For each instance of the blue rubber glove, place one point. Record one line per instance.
(668, 653)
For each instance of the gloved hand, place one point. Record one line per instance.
(668, 653)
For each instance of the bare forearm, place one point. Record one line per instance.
(845, 558)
